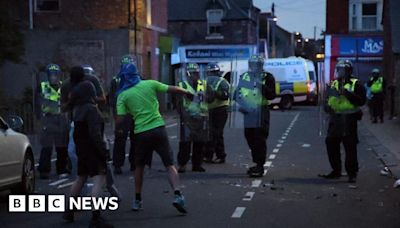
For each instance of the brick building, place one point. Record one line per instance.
(96, 32)
(354, 31)
(213, 30)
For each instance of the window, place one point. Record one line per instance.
(47, 6)
(354, 17)
(365, 15)
(148, 12)
(369, 16)
(214, 21)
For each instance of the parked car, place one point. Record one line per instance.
(17, 167)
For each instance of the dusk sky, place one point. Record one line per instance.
(297, 15)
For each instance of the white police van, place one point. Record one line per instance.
(295, 78)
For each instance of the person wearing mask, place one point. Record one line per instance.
(218, 101)
(255, 88)
(377, 86)
(125, 129)
(344, 98)
(54, 124)
(88, 137)
(139, 99)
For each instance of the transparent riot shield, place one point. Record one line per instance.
(322, 99)
(194, 118)
(247, 104)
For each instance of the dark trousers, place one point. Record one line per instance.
(185, 149)
(256, 139)
(350, 146)
(127, 128)
(61, 163)
(377, 107)
(218, 118)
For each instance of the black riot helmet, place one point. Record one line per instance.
(213, 69)
(344, 69)
(375, 72)
(256, 63)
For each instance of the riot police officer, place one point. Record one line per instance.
(218, 101)
(344, 98)
(255, 88)
(376, 84)
(54, 124)
(193, 120)
(126, 128)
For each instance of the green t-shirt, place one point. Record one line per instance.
(141, 102)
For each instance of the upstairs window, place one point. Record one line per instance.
(369, 16)
(47, 6)
(214, 21)
(365, 15)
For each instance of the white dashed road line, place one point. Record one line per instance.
(276, 150)
(249, 196)
(268, 164)
(58, 182)
(171, 125)
(65, 185)
(272, 157)
(238, 212)
(255, 183)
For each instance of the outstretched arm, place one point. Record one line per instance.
(179, 90)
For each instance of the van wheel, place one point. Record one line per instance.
(27, 184)
(286, 102)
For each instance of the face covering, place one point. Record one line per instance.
(129, 78)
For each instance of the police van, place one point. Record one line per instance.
(295, 78)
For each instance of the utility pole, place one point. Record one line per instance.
(315, 32)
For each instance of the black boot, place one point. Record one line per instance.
(331, 175)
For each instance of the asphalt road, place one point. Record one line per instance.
(289, 195)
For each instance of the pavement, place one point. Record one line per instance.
(289, 195)
(383, 139)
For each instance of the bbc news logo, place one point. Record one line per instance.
(58, 203)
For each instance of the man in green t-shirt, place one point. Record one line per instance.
(139, 99)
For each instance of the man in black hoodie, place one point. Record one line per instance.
(88, 136)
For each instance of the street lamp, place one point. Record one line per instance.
(274, 19)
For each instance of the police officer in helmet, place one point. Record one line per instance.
(54, 124)
(193, 116)
(345, 96)
(377, 86)
(256, 87)
(218, 101)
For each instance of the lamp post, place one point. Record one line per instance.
(272, 40)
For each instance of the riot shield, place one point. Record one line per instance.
(247, 105)
(194, 119)
(322, 99)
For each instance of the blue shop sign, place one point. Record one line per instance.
(361, 46)
(223, 53)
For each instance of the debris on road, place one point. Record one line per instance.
(353, 186)
(396, 184)
(385, 171)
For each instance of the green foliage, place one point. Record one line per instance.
(11, 39)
